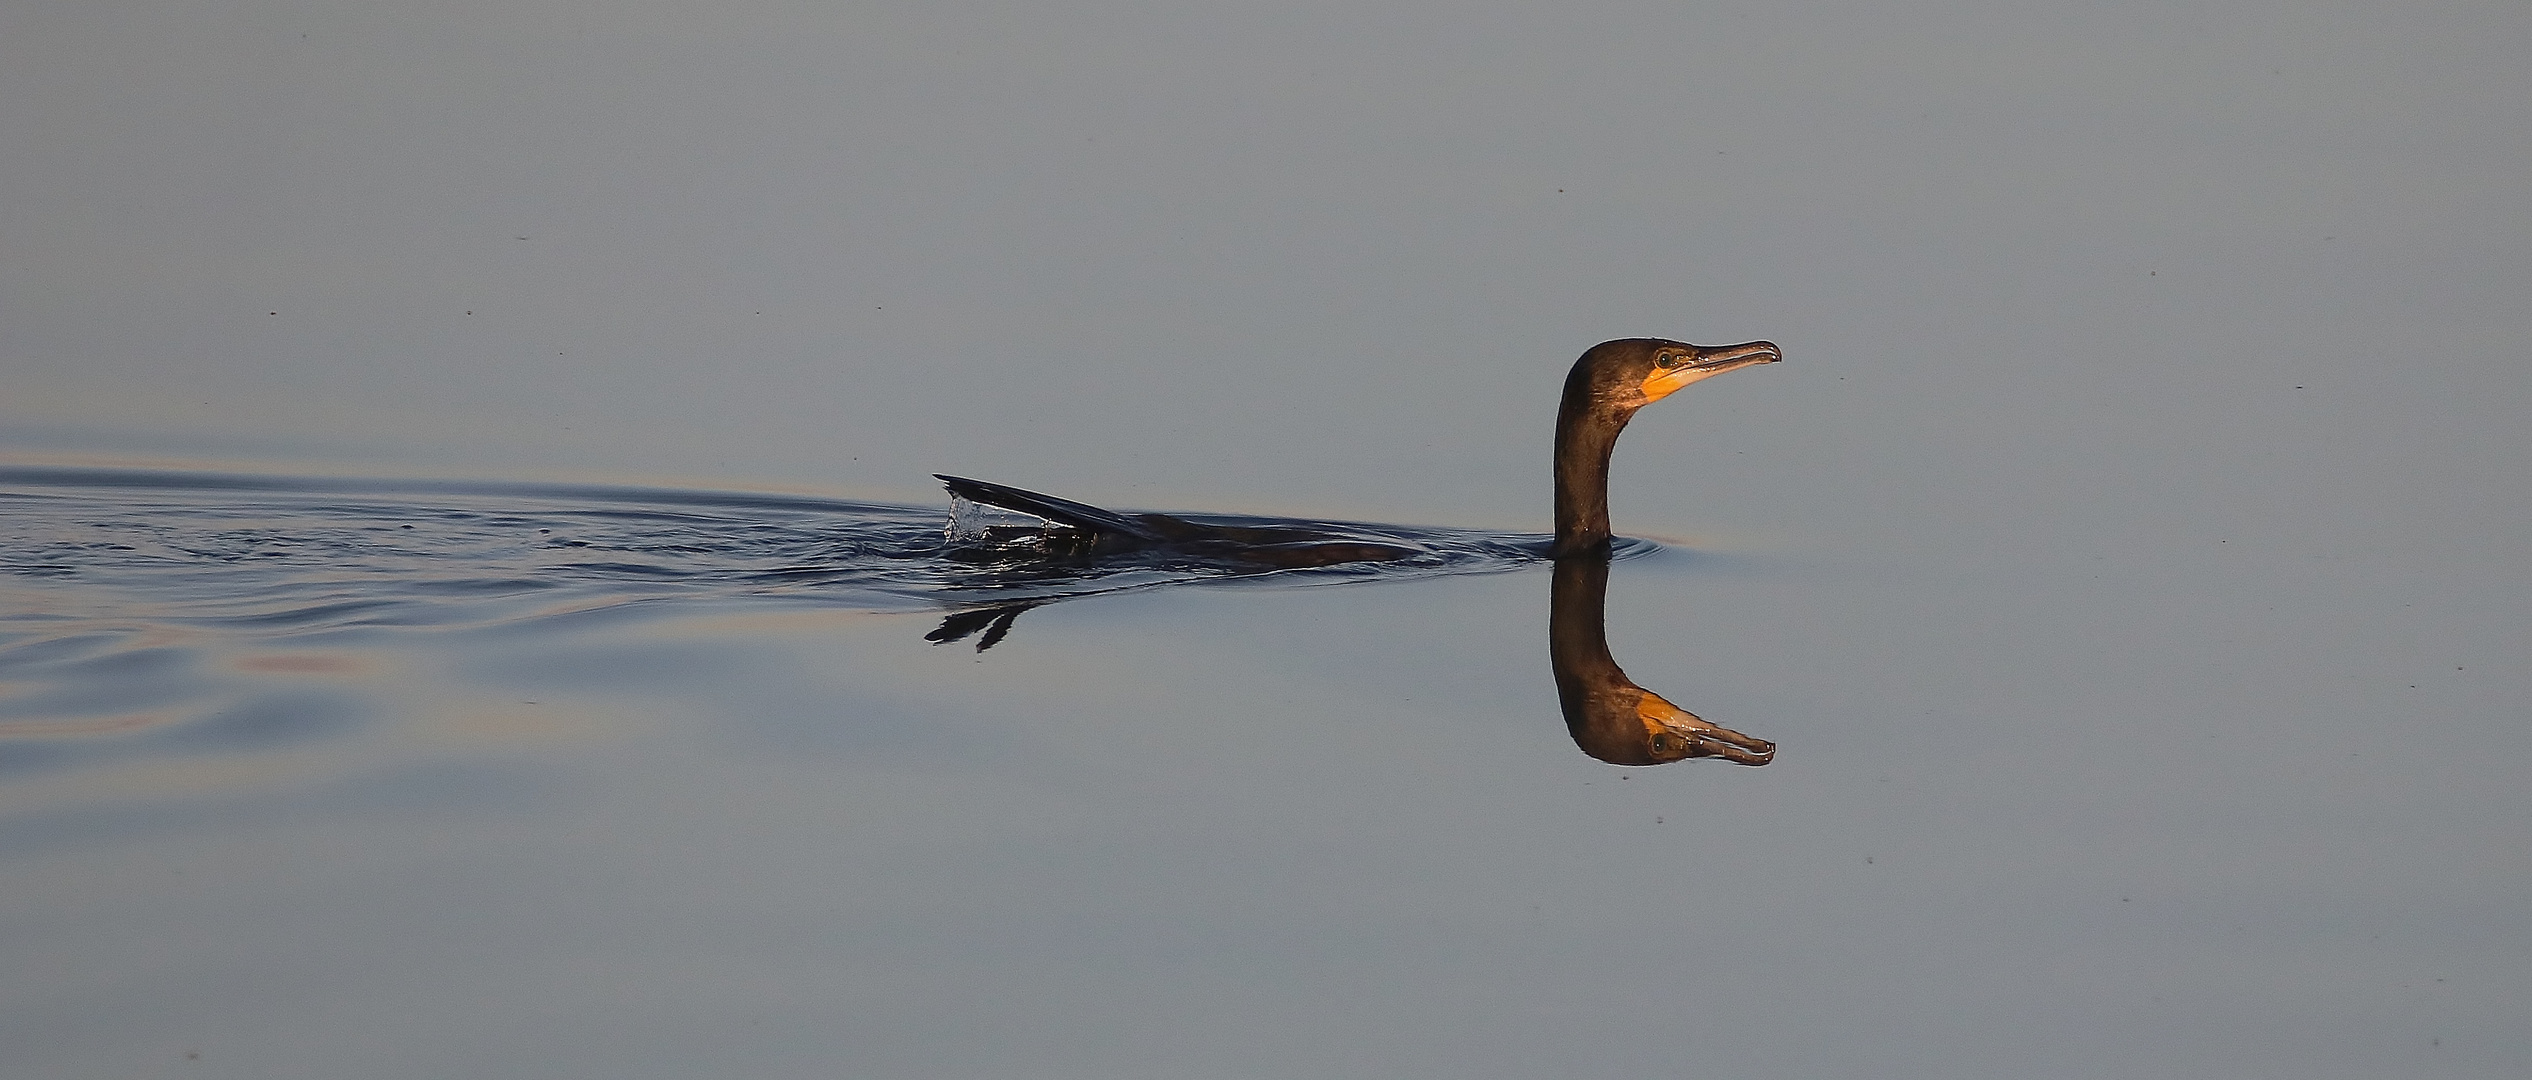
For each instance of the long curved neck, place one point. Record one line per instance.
(1586, 431)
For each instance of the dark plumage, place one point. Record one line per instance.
(1602, 393)
(1266, 545)
(1606, 386)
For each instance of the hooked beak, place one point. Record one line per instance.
(1708, 362)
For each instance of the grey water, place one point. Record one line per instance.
(472, 601)
(188, 610)
(303, 775)
(299, 554)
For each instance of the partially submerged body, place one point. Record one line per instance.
(1094, 531)
(1602, 392)
(1609, 716)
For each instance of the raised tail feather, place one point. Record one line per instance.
(1059, 511)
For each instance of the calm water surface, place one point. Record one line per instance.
(2131, 563)
(323, 779)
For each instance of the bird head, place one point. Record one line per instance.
(1630, 373)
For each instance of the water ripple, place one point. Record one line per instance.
(200, 614)
(270, 554)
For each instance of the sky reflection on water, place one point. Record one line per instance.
(650, 831)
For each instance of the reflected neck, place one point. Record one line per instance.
(1577, 636)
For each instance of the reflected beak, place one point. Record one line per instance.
(1709, 362)
(1678, 733)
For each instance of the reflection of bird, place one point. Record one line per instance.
(1603, 391)
(994, 621)
(1610, 717)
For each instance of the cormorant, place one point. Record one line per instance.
(1606, 386)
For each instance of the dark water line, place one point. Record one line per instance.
(73, 478)
(280, 554)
